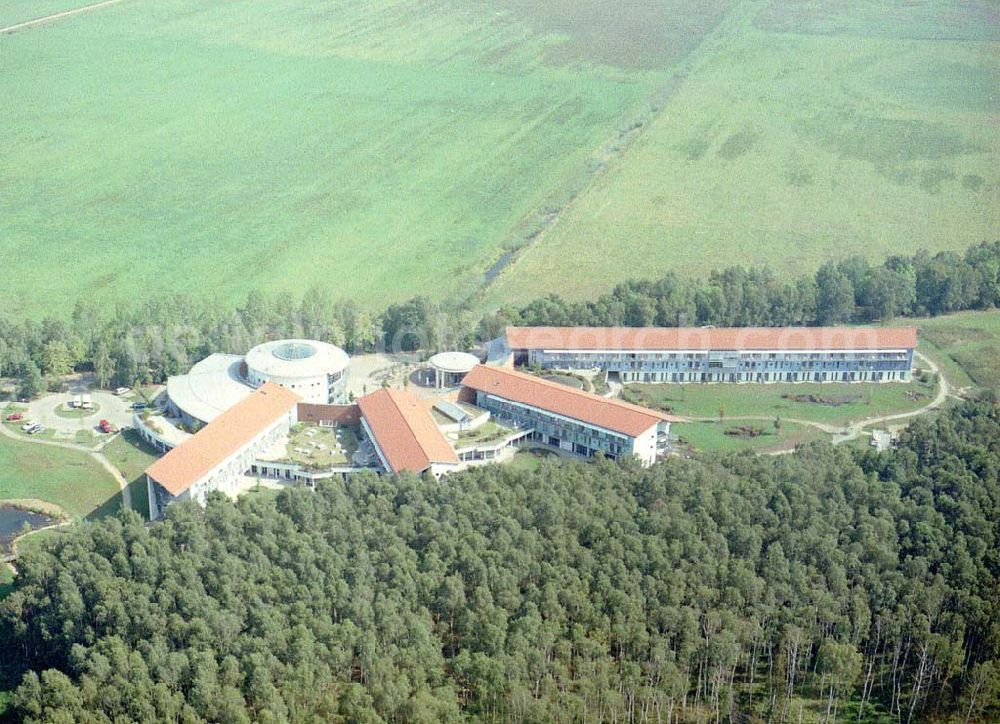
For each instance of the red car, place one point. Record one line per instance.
(14, 417)
(105, 426)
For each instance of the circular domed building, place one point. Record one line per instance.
(448, 368)
(316, 371)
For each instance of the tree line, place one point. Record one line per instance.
(848, 291)
(852, 584)
(148, 341)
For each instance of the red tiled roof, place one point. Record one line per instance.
(405, 431)
(721, 338)
(187, 463)
(528, 389)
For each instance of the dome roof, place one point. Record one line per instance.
(285, 358)
(457, 362)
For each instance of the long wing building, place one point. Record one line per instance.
(572, 420)
(743, 354)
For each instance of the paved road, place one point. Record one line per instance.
(57, 16)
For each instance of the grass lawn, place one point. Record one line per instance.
(707, 436)
(966, 345)
(132, 455)
(837, 404)
(804, 131)
(72, 480)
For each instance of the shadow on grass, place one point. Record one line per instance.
(111, 506)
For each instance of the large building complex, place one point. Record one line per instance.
(250, 406)
(749, 354)
(221, 453)
(315, 371)
(572, 420)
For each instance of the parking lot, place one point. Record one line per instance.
(52, 412)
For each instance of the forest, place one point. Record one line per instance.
(148, 341)
(852, 584)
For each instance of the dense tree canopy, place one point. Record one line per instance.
(704, 589)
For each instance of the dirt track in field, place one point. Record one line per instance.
(57, 16)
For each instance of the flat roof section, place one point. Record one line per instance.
(190, 461)
(610, 414)
(404, 430)
(210, 388)
(653, 339)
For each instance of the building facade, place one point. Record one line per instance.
(221, 453)
(686, 355)
(315, 371)
(569, 419)
(403, 435)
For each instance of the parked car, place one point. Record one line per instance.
(122, 391)
(139, 405)
(106, 426)
(27, 425)
(36, 428)
(14, 417)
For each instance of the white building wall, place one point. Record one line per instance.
(644, 446)
(225, 476)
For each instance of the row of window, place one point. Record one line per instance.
(585, 358)
(762, 376)
(551, 425)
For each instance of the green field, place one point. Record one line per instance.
(379, 150)
(966, 345)
(72, 480)
(805, 131)
(833, 404)
(384, 150)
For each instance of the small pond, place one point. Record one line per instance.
(12, 522)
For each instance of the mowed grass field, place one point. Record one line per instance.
(72, 480)
(379, 150)
(713, 436)
(831, 403)
(804, 131)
